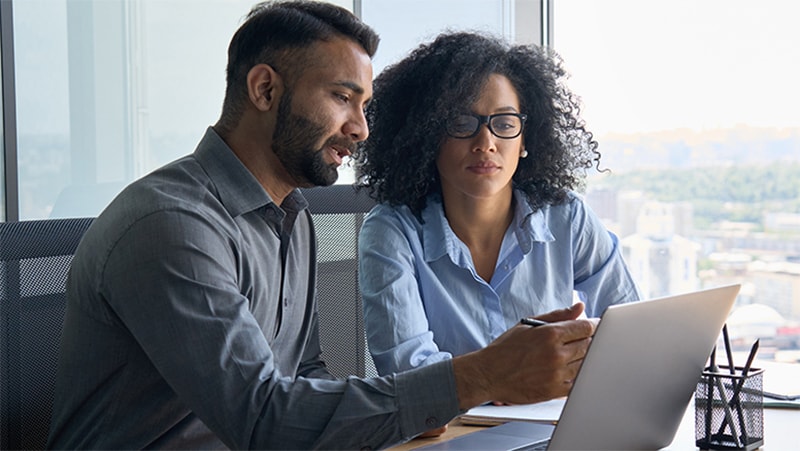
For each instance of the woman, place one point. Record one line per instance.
(475, 150)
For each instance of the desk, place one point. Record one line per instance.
(780, 432)
(780, 425)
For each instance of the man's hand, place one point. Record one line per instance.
(526, 364)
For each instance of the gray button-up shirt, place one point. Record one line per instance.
(191, 323)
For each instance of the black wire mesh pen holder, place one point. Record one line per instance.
(729, 409)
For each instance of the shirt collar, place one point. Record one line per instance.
(529, 226)
(238, 189)
(439, 239)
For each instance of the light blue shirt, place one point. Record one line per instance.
(424, 301)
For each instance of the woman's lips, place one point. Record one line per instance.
(484, 167)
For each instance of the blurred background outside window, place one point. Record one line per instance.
(693, 104)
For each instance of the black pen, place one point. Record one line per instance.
(712, 379)
(728, 351)
(735, 402)
(750, 358)
(737, 390)
(712, 361)
(532, 322)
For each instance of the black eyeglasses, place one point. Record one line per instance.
(502, 125)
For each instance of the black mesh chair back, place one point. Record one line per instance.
(34, 260)
(338, 212)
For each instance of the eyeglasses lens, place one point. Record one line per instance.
(501, 125)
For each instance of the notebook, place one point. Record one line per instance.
(636, 380)
(491, 415)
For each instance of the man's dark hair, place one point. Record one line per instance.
(413, 98)
(277, 33)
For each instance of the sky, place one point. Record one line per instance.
(698, 64)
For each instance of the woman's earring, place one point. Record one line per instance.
(523, 154)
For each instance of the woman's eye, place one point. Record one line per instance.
(463, 123)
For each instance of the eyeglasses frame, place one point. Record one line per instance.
(488, 121)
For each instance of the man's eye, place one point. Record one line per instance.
(342, 97)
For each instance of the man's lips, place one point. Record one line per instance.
(338, 152)
(335, 154)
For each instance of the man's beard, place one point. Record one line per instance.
(293, 143)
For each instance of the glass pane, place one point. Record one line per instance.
(403, 25)
(108, 90)
(694, 106)
(42, 91)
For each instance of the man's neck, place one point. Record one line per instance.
(257, 156)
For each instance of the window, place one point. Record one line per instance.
(403, 25)
(694, 106)
(108, 90)
(692, 103)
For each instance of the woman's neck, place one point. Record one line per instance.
(481, 224)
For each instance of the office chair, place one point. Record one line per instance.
(34, 260)
(338, 212)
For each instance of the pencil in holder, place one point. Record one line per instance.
(729, 410)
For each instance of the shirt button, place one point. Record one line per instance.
(285, 302)
(431, 422)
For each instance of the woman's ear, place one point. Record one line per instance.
(264, 87)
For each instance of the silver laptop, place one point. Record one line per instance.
(636, 381)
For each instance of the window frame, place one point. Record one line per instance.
(9, 209)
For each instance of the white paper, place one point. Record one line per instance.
(542, 412)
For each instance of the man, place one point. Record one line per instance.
(191, 320)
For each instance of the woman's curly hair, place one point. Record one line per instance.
(412, 100)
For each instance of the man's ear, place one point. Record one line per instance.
(264, 87)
